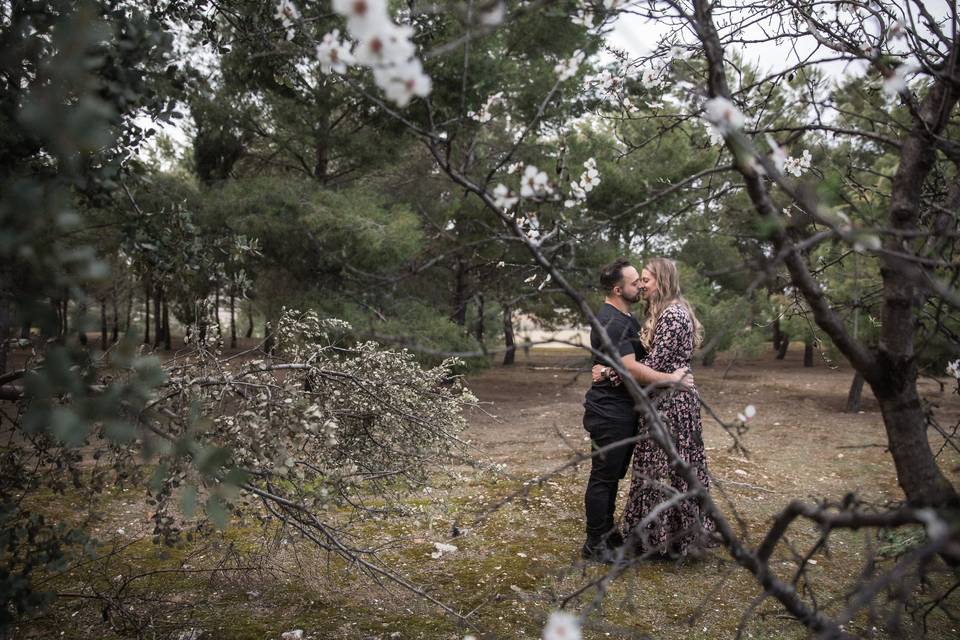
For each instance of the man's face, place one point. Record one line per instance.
(629, 288)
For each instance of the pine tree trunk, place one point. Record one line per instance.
(157, 317)
(808, 354)
(784, 345)
(233, 321)
(480, 311)
(249, 319)
(65, 314)
(115, 333)
(167, 338)
(855, 394)
(459, 314)
(104, 335)
(146, 313)
(510, 354)
(709, 357)
(82, 322)
(777, 335)
(216, 309)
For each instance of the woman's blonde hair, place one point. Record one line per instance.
(665, 273)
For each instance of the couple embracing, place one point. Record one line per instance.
(656, 352)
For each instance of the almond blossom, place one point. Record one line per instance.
(566, 69)
(333, 54)
(797, 166)
(562, 625)
(723, 115)
(288, 14)
(503, 198)
(534, 182)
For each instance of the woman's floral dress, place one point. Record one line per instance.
(684, 526)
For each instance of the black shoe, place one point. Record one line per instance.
(596, 551)
(614, 540)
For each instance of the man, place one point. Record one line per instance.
(609, 414)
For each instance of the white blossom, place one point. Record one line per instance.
(534, 182)
(583, 19)
(612, 5)
(288, 14)
(750, 411)
(723, 115)
(503, 198)
(402, 82)
(650, 78)
(797, 166)
(953, 369)
(896, 82)
(562, 625)
(495, 15)
(333, 54)
(566, 69)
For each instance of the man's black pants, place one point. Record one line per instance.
(606, 471)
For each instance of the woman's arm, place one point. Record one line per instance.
(642, 373)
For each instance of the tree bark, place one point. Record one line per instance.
(509, 356)
(233, 322)
(115, 334)
(808, 354)
(104, 334)
(157, 316)
(855, 394)
(777, 335)
(64, 314)
(784, 345)
(249, 319)
(216, 308)
(82, 322)
(146, 312)
(709, 357)
(480, 324)
(167, 339)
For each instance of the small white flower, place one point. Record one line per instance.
(501, 264)
(530, 279)
(566, 69)
(797, 166)
(534, 182)
(333, 54)
(650, 78)
(583, 19)
(723, 115)
(953, 369)
(562, 625)
(612, 5)
(503, 198)
(750, 411)
(589, 179)
(512, 167)
(288, 14)
(402, 82)
(896, 82)
(391, 44)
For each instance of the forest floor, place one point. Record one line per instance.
(516, 562)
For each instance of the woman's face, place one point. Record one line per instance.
(648, 284)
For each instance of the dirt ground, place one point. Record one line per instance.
(516, 562)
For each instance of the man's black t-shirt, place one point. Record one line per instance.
(604, 400)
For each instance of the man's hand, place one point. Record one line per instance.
(601, 372)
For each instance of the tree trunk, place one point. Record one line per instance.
(216, 309)
(82, 322)
(808, 354)
(510, 354)
(146, 313)
(480, 326)
(855, 394)
(64, 314)
(249, 319)
(233, 321)
(777, 335)
(167, 339)
(104, 335)
(917, 472)
(115, 333)
(709, 357)
(157, 316)
(784, 345)
(25, 329)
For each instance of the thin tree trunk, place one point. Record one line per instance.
(480, 311)
(510, 354)
(82, 322)
(233, 321)
(103, 324)
(459, 314)
(115, 333)
(855, 394)
(709, 357)
(128, 328)
(157, 316)
(216, 308)
(146, 313)
(249, 319)
(784, 345)
(167, 339)
(64, 314)
(777, 335)
(25, 329)
(808, 354)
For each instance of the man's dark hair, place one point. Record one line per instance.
(612, 274)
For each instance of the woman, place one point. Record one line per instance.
(670, 332)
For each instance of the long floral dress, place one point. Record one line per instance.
(684, 526)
